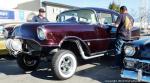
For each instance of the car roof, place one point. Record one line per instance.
(97, 10)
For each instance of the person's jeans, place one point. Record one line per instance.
(118, 52)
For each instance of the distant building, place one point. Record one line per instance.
(26, 9)
(53, 9)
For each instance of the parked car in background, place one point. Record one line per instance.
(5, 32)
(137, 60)
(83, 33)
(2, 44)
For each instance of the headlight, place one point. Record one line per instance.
(129, 50)
(41, 32)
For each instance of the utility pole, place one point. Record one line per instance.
(143, 13)
(120, 2)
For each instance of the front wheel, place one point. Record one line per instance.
(64, 64)
(27, 62)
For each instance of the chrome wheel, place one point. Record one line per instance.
(67, 65)
(64, 64)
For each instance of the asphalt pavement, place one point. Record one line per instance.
(91, 71)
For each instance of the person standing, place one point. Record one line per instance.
(40, 17)
(124, 25)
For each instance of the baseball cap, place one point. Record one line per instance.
(41, 10)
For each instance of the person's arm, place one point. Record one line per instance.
(116, 24)
(34, 19)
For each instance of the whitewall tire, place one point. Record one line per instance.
(64, 64)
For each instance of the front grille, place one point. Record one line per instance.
(144, 66)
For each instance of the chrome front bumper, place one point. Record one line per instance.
(139, 67)
(134, 75)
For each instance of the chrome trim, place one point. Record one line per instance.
(134, 75)
(139, 75)
(11, 49)
(105, 39)
(138, 60)
(99, 39)
(83, 54)
(95, 55)
(102, 52)
(144, 65)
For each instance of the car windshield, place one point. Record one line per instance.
(77, 16)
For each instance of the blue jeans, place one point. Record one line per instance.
(119, 42)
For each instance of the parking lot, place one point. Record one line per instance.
(93, 71)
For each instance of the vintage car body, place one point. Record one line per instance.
(5, 30)
(83, 33)
(137, 60)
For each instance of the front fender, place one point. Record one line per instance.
(28, 31)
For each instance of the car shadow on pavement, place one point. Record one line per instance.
(9, 67)
(97, 69)
(100, 70)
(43, 72)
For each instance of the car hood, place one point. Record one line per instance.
(55, 31)
(141, 42)
(144, 48)
(29, 29)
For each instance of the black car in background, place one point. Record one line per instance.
(137, 60)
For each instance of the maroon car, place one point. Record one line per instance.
(83, 33)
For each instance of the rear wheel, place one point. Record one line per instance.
(64, 64)
(27, 62)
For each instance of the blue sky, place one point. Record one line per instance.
(132, 5)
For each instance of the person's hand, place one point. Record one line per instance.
(114, 24)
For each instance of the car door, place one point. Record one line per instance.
(105, 31)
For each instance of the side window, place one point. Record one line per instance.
(105, 18)
(78, 16)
